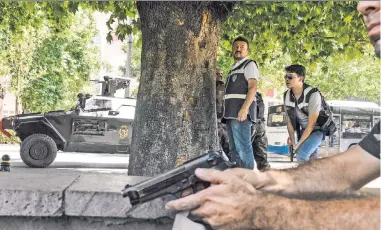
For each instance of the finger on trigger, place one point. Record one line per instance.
(187, 192)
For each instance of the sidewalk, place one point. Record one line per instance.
(4, 148)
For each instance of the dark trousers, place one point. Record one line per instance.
(223, 137)
(259, 144)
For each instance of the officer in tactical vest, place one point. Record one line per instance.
(239, 103)
(306, 114)
(258, 136)
(222, 132)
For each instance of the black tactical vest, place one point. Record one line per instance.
(324, 122)
(235, 93)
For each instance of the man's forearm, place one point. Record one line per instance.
(310, 127)
(298, 214)
(321, 176)
(307, 132)
(342, 173)
(249, 98)
(291, 132)
(251, 91)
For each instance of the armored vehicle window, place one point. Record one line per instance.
(127, 111)
(98, 104)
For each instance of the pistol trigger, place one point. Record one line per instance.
(177, 195)
(194, 188)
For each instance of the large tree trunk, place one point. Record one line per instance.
(175, 115)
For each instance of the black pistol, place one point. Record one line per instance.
(292, 154)
(174, 182)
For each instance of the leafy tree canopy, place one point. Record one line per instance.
(329, 38)
(326, 37)
(46, 49)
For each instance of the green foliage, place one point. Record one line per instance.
(136, 48)
(45, 45)
(9, 140)
(135, 92)
(124, 13)
(343, 79)
(327, 36)
(44, 93)
(50, 59)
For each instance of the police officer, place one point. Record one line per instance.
(258, 136)
(240, 107)
(307, 114)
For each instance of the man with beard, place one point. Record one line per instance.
(239, 103)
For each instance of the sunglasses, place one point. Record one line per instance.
(289, 77)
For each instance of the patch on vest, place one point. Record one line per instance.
(234, 77)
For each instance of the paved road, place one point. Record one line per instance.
(89, 162)
(104, 162)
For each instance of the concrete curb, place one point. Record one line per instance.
(33, 194)
(98, 196)
(75, 200)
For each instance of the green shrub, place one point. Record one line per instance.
(9, 140)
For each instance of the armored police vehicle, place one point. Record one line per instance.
(97, 124)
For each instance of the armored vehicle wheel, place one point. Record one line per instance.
(38, 151)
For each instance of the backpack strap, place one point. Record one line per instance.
(308, 96)
(242, 65)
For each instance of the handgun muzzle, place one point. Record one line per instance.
(133, 195)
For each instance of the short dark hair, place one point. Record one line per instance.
(241, 39)
(298, 69)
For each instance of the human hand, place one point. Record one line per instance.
(295, 147)
(242, 114)
(226, 205)
(255, 178)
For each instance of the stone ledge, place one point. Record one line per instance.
(100, 196)
(38, 194)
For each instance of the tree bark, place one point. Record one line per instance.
(175, 116)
